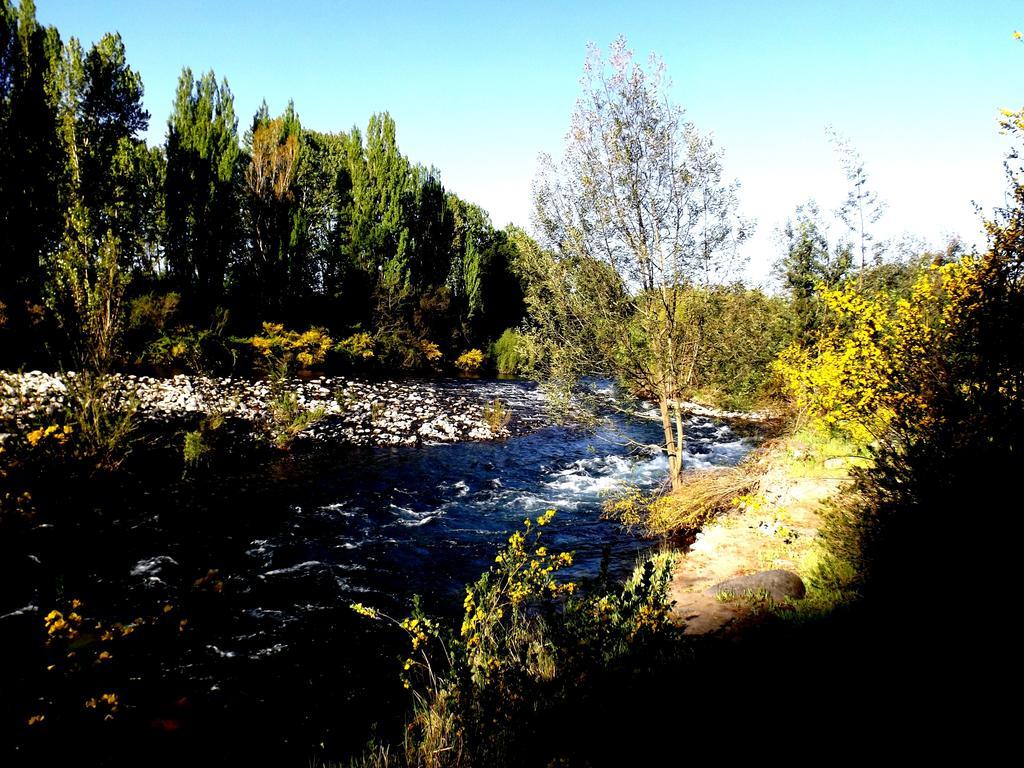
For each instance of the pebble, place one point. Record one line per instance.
(358, 412)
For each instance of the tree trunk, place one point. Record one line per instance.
(675, 459)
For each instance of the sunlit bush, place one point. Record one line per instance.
(308, 348)
(470, 362)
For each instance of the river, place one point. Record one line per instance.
(251, 645)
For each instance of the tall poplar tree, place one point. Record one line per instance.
(201, 211)
(378, 238)
(276, 271)
(32, 163)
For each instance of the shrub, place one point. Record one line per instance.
(702, 496)
(308, 348)
(287, 418)
(497, 416)
(528, 647)
(514, 353)
(153, 311)
(103, 418)
(358, 347)
(471, 361)
(197, 447)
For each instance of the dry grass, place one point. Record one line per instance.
(704, 495)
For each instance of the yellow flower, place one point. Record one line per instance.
(363, 610)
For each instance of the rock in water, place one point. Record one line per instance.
(778, 584)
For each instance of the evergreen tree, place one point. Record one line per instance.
(201, 211)
(325, 201)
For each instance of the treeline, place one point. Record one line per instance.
(218, 231)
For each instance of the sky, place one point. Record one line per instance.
(479, 90)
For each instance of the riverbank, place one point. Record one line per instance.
(357, 412)
(740, 560)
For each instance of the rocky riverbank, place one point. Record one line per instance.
(357, 412)
(767, 544)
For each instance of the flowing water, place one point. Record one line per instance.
(270, 659)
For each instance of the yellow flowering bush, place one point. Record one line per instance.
(54, 433)
(471, 361)
(430, 351)
(879, 361)
(358, 346)
(308, 348)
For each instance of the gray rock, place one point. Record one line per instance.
(778, 584)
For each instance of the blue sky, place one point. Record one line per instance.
(479, 90)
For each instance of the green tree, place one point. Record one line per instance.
(640, 191)
(862, 206)
(379, 241)
(275, 270)
(32, 164)
(807, 265)
(325, 200)
(109, 172)
(201, 210)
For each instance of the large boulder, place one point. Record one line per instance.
(778, 584)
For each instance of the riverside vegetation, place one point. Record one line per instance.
(209, 253)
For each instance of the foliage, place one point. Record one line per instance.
(286, 417)
(497, 416)
(526, 645)
(470, 361)
(807, 265)
(357, 347)
(196, 447)
(88, 295)
(641, 193)
(31, 170)
(933, 381)
(702, 496)
(308, 348)
(202, 218)
(153, 311)
(862, 206)
(102, 417)
(511, 353)
(868, 373)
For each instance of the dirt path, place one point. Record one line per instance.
(774, 528)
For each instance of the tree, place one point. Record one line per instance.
(639, 198)
(862, 206)
(275, 268)
(32, 163)
(201, 210)
(808, 265)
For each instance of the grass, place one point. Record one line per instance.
(497, 415)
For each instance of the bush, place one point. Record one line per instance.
(470, 362)
(308, 348)
(934, 382)
(511, 353)
(357, 348)
(287, 418)
(529, 647)
(496, 416)
(103, 418)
